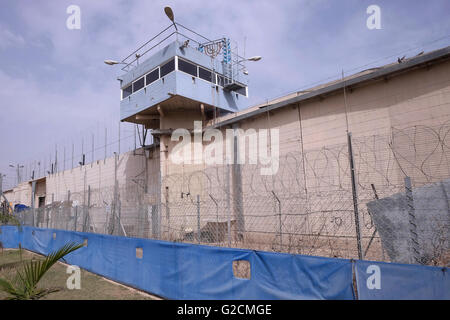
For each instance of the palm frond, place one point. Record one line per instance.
(33, 271)
(8, 287)
(11, 265)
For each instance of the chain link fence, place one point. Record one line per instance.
(395, 207)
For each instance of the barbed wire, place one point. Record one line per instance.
(307, 207)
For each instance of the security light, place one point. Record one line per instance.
(111, 62)
(170, 15)
(255, 58)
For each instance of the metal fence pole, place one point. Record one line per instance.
(33, 193)
(47, 214)
(375, 228)
(412, 222)
(119, 218)
(227, 185)
(198, 218)
(115, 198)
(86, 211)
(167, 210)
(354, 194)
(53, 213)
(84, 203)
(217, 217)
(76, 216)
(280, 227)
(60, 215)
(68, 210)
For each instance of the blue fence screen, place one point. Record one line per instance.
(188, 271)
(389, 281)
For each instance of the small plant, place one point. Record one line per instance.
(8, 219)
(24, 286)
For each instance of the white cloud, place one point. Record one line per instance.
(9, 39)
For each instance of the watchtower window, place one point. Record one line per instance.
(168, 67)
(220, 80)
(187, 67)
(138, 84)
(206, 75)
(126, 91)
(223, 81)
(152, 76)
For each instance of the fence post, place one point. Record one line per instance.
(412, 221)
(32, 220)
(227, 181)
(167, 212)
(112, 222)
(46, 208)
(198, 218)
(236, 174)
(120, 225)
(86, 211)
(375, 229)
(354, 194)
(68, 210)
(1, 186)
(76, 216)
(217, 217)
(280, 227)
(52, 212)
(33, 193)
(60, 214)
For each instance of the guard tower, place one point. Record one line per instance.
(184, 74)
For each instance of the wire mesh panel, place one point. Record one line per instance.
(307, 207)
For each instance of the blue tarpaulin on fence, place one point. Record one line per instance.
(392, 281)
(189, 271)
(9, 236)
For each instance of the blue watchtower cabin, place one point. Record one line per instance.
(181, 71)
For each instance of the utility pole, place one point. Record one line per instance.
(1, 191)
(354, 194)
(56, 158)
(18, 173)
(2, 195)
(1, 185)
(18, 167)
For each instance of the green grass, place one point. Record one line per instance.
(93, 287)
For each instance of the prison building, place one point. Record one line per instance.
(393, 121)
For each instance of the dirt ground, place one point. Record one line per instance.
(93, 287)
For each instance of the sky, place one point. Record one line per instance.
(56, 92)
